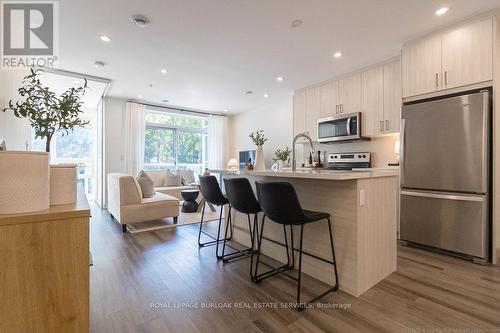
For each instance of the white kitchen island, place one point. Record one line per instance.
(363, 205)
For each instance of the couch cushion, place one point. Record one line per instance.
(161, 197)
(146, 185)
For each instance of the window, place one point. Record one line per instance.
(175, 141)
(78, 146)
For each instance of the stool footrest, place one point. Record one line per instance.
(236, 254)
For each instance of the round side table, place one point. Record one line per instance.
(190, 205)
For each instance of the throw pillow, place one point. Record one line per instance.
(172, 179)
(187, 176)
(146, 185)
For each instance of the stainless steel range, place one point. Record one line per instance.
(348, 161)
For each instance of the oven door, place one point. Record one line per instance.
(340, 128)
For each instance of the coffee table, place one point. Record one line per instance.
(190, 205)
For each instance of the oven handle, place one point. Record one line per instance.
(349, 126)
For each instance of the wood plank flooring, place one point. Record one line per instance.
(158, 282)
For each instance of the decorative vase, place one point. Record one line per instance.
(259, 159)
(24, 182)
(62, 184)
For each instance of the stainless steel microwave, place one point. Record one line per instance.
(343, 127)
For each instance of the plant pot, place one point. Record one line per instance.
(24, 182)
(62, 184)
(259, 159)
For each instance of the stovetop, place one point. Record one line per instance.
(348, 161)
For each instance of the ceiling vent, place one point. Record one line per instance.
(140, 21)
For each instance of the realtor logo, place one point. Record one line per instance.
(29, 34)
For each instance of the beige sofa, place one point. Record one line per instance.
(158, 178)
(127, 206)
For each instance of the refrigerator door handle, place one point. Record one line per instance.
(443, 196)
(486, 108)
(402, 150)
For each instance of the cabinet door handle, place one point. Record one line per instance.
(445, 78)
(381, 126)
(336, 109)
(386, 125)
(341, 108)
(437, 80)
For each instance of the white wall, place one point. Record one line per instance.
(114, 124)
(15, 131)
(275, 118)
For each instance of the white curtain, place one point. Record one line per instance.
(134, 137)
(217, 142)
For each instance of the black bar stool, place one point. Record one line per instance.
(242, 199)
(212, 194)
(280, 204)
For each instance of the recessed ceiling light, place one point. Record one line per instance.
(99, 64)
(279, 78)
(139, 96)
(248, 92)
(140, 21)
(337, 54)
(225, 110)
(266, 95)
(163, 71)
(296, 23)
(442, 11)
(105, 38)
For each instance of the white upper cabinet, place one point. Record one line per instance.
(449, 59)
(392, 97)
(468, 54)
(312, 111)
(328, 99)
(299, 112)
(349, 92)
(421, 66)
(372, 101)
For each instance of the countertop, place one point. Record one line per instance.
(317, 174)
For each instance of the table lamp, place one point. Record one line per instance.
(232, 164)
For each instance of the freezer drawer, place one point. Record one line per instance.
(453, 222)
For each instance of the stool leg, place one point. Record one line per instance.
(293, 248)
(218, 229)
(255, 233)
(216, 240)
(259, 243)
(333, 254)
(286, 245)
(201, 223)
(300, 306)
(225, 236)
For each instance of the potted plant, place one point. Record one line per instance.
(259, 139)
(47, 112)
(283, 156)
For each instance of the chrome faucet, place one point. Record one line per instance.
(305, 136)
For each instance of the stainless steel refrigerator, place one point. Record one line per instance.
(445, 168)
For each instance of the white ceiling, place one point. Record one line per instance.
(60, 83)
(215, 50)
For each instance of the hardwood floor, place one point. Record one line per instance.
(158, 282)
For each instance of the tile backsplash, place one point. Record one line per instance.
(381, 149)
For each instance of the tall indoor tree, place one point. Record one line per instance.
(47, 112)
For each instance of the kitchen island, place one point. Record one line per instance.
(363, 205)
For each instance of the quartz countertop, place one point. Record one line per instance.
(316, 173)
